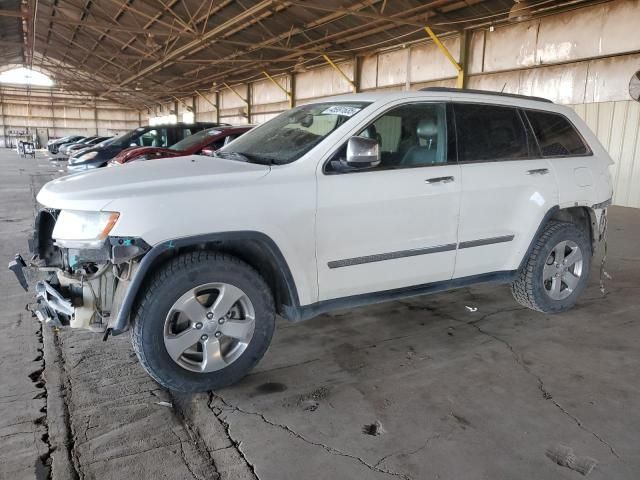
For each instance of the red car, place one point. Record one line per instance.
(205, 142)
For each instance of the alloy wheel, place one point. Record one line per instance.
(209, 327)
(562, 270)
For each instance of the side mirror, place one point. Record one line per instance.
(208, 151)
(363, 152)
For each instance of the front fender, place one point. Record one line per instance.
(126, 298)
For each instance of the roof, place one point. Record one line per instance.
(484, 92)
(141, 52)
(11, 35)
(431, 92)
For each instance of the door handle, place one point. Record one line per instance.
(435, 180)
(538, 171)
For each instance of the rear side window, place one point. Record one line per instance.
(489, 133)
(556, 136)
(153, 138)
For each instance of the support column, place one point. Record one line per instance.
(356, 73)
(292, 87)
(465, 40)
(217, 107)
(4, 127)
(95, 113)
(249, 92)
(53, 118)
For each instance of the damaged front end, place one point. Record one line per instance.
(83, 280)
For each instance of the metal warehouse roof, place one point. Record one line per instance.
(11, 36)
(139, 52)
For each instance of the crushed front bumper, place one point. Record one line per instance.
(80, 286)
(52, 308)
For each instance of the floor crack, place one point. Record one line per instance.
(541, 386)
(333, 451)
(194, 435)
(411, 452)
(184, 457)
(70, 434)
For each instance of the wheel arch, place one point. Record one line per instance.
(254, 248)
(582, 216)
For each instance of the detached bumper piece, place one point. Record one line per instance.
(52, 308)
(16, 267)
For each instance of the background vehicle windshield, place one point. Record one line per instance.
(126, 138)
(293, 133)
(195, 139)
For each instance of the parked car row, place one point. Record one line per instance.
(54, 145)
(335, 204)
(205, 142)
(154, 137)
(66, 146)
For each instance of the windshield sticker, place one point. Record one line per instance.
(211, 133)
(341, 110)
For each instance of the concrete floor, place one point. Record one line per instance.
(501, 392)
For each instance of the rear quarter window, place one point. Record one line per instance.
(557, 137)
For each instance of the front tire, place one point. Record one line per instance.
(204, 321)
(556, 271)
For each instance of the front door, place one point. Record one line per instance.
(395, 225)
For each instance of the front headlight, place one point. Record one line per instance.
(80, 229)
(85, 157)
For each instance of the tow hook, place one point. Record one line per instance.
(16, 267)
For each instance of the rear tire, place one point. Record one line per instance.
(556, 271)
(204, 321)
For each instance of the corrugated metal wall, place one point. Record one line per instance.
(617, 126)
(56, 115)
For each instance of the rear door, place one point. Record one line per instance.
(507, 188)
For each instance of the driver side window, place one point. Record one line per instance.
(412, 135)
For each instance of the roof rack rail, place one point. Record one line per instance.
(484, 92)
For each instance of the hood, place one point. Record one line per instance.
(126, 155)
(95, 189)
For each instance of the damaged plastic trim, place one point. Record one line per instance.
(602, 205)
(51, 304)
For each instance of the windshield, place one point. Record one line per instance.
(291, 134)
(194, 140)
(125, 138)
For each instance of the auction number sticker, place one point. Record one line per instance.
(341, 110)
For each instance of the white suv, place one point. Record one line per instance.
(344, 202)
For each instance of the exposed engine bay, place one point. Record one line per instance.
(81, 284)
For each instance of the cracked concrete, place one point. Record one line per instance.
(460, 394)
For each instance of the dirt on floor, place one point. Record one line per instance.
(459, 385)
